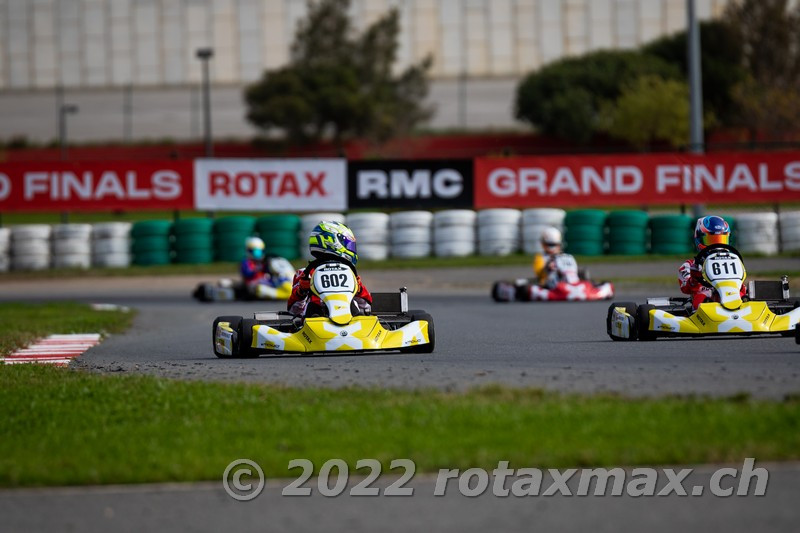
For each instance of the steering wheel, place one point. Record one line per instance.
(703, 254)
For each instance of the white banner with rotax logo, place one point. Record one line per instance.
(270, 184)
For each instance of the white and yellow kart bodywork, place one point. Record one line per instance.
(335, 284)
(724, 271)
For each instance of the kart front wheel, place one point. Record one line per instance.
(630, 308)
(246, 351)
(428, 347)
(234, 322)
(643, 323)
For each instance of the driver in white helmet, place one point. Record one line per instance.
(261, 273)
(544, 264)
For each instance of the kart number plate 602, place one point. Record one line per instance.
(724, 267)
(334, 278)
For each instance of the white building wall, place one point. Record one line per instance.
(110, 43)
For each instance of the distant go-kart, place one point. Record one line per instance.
(570, 284)
(227, 289)
(767, 309)
(389, 326)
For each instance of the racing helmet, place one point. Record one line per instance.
(333, 238)
(255, 248)
(711, 230)
(551, 239)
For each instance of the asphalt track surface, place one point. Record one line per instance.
(557, 346)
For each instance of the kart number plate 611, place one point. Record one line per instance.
(724, 267)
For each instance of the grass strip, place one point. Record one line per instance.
(66, 427)
(25, 322)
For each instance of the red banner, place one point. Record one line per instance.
(96, 186)
(637, 179)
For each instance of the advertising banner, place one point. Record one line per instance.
(569, 181)
(408, 184)
(96, 186)
(270, 184)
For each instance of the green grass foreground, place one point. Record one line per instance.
(66, 427)
(24, 322)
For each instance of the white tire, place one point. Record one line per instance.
(454, 217)
(411, 250)
(444, 234)
(498, 247)
(790, 219)
(411, 235)
(5, 263)
(790, 231)
(766, 248)
(373, 252)
(106, 230)
(26, 232)
(531, 247)
(502, 216)
(31, 247)
(72, 231)
(454, 248)
(371, 235)
(410, 219)
(113, 245)
(5, 237)
(369, 220)
(72, 261)
(113, 260)
(791, 246)
(543, 217)
(308, 222)
(71, 246)
(30, 262)
(493, 232)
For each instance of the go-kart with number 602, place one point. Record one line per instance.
(389, 326)
(767, 308)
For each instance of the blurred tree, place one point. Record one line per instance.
(339, 84)
(564, 98)
(768, 97)
(649, 109)
(721, 62)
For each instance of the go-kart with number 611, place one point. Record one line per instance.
(389, 326)
(767, 309)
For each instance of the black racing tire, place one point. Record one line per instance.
(797, 334)
(200, 293)
(630, 308)
(246, 339)
(497, 294)
(418, 314)
(235, 322)
(643, 322)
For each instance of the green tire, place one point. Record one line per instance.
(627, 218)
(683, 223)
(583, 232)
(189, 226)
(279, 239)
(585, 217)
(150, 244)
(235, 224)
(151, 228)
(289, 252)
(191, 241)
(585, 248)
(278, 223)
(151, 258)
(627, 234)
(627, 248)
(231, 239)
(198, 256)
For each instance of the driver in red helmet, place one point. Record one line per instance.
(708, 230)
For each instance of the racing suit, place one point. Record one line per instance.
(689, 280)
(302, 301)
(547, 274)
(255, 273)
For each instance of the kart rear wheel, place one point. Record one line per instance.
(630, 308)
(246, 339)
(235, 322)
(643, 323)
(424, 348)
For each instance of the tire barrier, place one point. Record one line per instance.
(672, 234)
(498, 231)
(372, 234)
(627, 232)
(5, 246)
(230, 234)
(193, 240)
(280, 235)
(757, 233)
(71, 246)
(30, 247)
(454, 233)
(585, 232)
(410, 234)
(534, 222)
(151, 242)
(790, 231)
(111, 244)
(308, 222)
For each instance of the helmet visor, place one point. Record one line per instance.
(349, 244)
(257, 253)
(708, 240)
